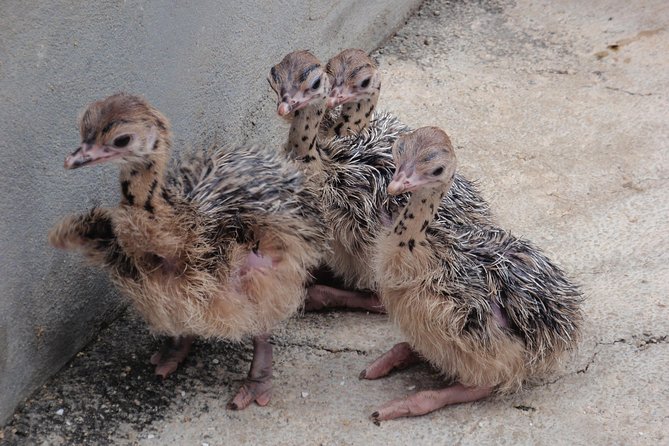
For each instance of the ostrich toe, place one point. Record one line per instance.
(428, 401)
(258, 384)
(171, 354)
(321, 297)
(399, 357)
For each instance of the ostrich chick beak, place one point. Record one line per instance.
(399, 184)
(283, 109)
(88, 154)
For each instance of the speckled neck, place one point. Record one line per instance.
(303, 133)
(142, 182)
(411, 224)
(354, 116)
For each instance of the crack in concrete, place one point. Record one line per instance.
(628, 92)
(576, 372)
(322, 347)
(552, 71)
(617, 341)
(640, 341)
(644, 341)
(588, 364)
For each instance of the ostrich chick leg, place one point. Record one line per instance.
(171, 354)
(428, 401)
(399, 357)
(323, 296)
(258, 385)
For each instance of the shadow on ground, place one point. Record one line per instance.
(111, 383)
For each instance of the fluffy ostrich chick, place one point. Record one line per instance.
(218, 246)
(487, 309)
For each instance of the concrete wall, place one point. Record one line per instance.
(202, 63)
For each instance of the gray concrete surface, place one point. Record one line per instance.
(203, 63)
(560, 109)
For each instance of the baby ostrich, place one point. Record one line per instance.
(351, 174)
(356, 83)
(487, 309)
(219, 246)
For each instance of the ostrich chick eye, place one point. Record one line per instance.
(122, 141)
(316, 84)
(274, 75)
(365, 83)
(437, 171)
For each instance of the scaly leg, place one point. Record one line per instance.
(258, 385)
(323, 296)
(399, 357)
(171, 354)
(428, 401)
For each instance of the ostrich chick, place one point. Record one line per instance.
(219, 246)
(302, 85)
(351, 175)
(356, 84)
(487, 309)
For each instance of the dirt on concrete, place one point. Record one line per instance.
(559, 109)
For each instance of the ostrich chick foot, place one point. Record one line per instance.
(428, 401)
(258, 384)
(399, 357)
(171, 354)
(320, 297)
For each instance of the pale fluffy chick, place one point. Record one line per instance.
(488, 309)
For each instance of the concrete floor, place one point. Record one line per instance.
(561, 110)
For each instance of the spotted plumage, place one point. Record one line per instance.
(355, 84)
(356, 204)
(222, 251)
(467, 271)
(351, 175)
(488, 309)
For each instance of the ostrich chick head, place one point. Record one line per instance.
(298, 80)
(121, 128)
(354, 76)
(423, 158)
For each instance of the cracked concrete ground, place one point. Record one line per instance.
(560, 109)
